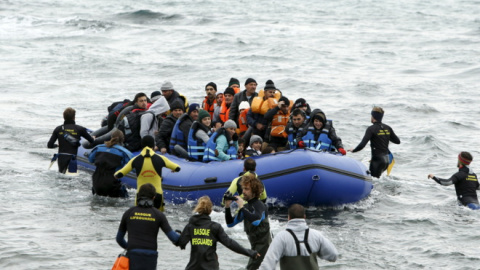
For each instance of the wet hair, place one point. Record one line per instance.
(69, 114)
(117, 138)
(255, 184)
(204, 206)
(137, 96)
(268, 150)
(297, 112)
(296, 211)
(378, 109)
(146, 191)
(249, 164)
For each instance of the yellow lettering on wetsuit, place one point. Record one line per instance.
(71, 131)
(202, 242)
(142, 216)
(201, 231)
(472, 178)
(383, 132)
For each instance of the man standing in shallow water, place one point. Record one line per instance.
(465, 181)
(379, 135)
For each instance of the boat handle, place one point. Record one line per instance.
(210, 179)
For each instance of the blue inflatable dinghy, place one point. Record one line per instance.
(307, 177)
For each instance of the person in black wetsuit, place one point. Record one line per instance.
(203, 234)
(142, 222)
(379, 135)
(255, 217)
(109, 158)
(465, 181)
(68, 136)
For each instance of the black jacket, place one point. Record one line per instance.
(74, 130)
(379, 135)
(203, 234)
(466, 185)
(164, 132)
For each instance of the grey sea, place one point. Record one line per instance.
(419, 60)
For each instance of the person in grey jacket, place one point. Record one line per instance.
(298, 246)
(148, 121)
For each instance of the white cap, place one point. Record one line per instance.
(243, 105)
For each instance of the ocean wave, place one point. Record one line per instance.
(85, 24)
(146, 16)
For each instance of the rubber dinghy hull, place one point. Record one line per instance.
(307, 177)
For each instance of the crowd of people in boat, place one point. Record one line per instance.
(226, 125)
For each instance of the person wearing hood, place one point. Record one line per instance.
(465, 181)
(379, 134)
(171, 95)
(142, 223)
(298, 246)
(148, 121)
(320, 134)
(203, 235)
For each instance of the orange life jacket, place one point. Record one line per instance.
(261, 106)
(224, 112)
(210, 108)
(242, 122)
(279, 124)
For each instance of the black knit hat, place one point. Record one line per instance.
(233, 81)
(249, 80)
(177, 105)
(269, 85)
(229, 90)
(212, 84)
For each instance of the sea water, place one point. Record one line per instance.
(419, 60)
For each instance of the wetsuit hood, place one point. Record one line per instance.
(160, 106)
(200, 219)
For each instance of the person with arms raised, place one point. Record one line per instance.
(148, 166)
(203, 235)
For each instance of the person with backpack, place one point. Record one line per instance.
(298, 246)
